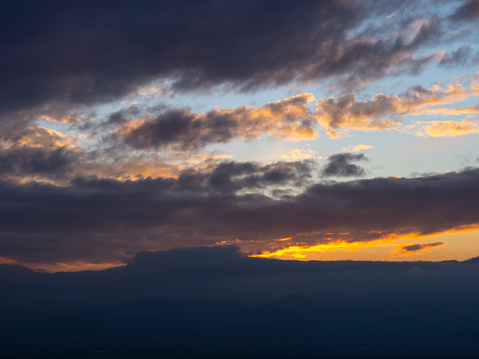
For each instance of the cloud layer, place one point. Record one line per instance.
(99, 220)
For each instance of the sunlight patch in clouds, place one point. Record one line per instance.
(298, 154)
(357, 148)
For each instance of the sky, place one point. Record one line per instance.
(306, 130)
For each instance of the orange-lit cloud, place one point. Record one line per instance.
(135, 168)
(38, 153)
(298, 154)
(344, 114)
(356, 148)
(182, 129)
(451, 111)
(34, 136)
(444, 128)
(383, 112)
(130, 170)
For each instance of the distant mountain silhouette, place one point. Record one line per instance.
(407, 320)
(474, 260)
(215, 303)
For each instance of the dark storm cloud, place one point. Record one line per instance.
(25, 161)
(468, 11)
(340, 165)
(103, 220)
(97, 51)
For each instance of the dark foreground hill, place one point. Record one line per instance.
(407, 321)
(215, 303)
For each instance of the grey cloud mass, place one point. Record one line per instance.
(468, 11)
(339, 165)
(94, 52)
(25, 161)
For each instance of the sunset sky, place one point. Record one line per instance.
(309, 130)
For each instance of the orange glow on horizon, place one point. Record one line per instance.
(297, 251)
(301, 252)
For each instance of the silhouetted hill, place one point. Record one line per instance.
(408, 320)
(217, 303)
(215, 272)
(474, 260)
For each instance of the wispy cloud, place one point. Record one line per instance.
(357, 148)
(444, 128)
(411, 249)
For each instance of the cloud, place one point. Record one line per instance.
(183, 130)
(346, 113)
(24, 162)
(35, 136)
(298, 154)
(236, 176)
(356, 148)
(33, 152)
(92, 53)
(410, 249)
(340, 165)
(468, 11)
(452, 111)
(444, 128)
(123, 116)
(383, 112)
(461, 57)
